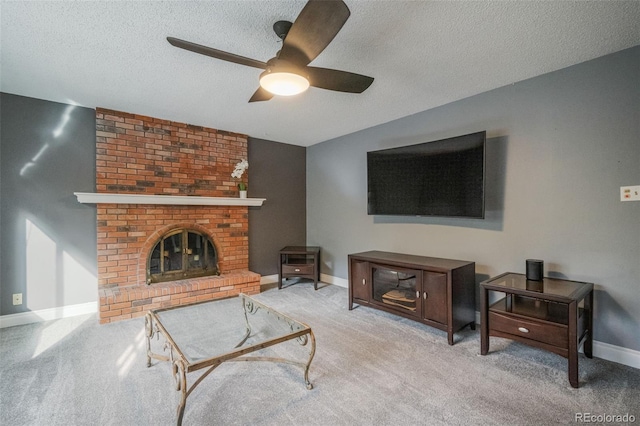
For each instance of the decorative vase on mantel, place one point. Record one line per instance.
(242, 190)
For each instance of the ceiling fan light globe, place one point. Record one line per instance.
(283, 83)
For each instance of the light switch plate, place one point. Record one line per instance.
(630, 193)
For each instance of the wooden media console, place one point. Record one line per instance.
(437, 292)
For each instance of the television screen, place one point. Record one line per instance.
(441, 178)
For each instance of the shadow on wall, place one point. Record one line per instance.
(619, 326)
(495, 172)
(480, 278)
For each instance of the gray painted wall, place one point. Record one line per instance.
(276, 172)
(559, 148)
(47, 239)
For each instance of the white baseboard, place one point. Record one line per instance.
(48, 314)
(616, 354)
(329, 279)
(601, 350)
(340, 282)
(607, 351)
(268, 279)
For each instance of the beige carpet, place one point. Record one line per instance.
(371, 368)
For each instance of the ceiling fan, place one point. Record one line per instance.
(289, 73)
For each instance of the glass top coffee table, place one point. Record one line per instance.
(205, 335)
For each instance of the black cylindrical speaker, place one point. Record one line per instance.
(535, 269)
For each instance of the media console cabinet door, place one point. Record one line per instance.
(434, 296)
(360, 286)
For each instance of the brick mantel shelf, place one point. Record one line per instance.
(176, 200)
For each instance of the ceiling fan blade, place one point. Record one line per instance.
(261, 95)
(315, 27)
(215, 53)
(340, 81)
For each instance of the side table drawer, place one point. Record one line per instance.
(302, 269)
(552, 334)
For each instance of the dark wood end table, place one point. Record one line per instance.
(301, 262)
(552, 314)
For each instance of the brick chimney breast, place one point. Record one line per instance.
(143, 155)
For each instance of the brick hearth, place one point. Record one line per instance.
(145, 155)
(133, 301)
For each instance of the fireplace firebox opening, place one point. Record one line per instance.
(181, 254)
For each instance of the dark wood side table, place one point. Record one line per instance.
(301, 262)
(552, 314)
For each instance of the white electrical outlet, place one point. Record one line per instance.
(630, 193)
(17, 299)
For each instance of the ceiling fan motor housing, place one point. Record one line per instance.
(275, 65)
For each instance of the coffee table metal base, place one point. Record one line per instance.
(181, 365)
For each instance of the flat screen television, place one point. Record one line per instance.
(440, 178)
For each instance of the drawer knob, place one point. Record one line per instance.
(297, 269)
(364, 281)
(522, 329)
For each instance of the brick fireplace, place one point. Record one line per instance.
(149, 156)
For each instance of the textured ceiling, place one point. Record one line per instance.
(423, 54)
